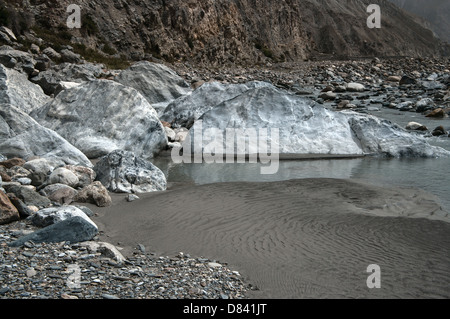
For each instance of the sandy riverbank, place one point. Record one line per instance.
(310, 238)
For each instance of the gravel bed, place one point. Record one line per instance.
(72, 271)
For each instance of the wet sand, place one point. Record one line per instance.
(307, 238)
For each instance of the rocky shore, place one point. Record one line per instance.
(93, 270)
(73, 133)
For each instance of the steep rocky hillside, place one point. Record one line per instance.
(221, 31)
(435, 12)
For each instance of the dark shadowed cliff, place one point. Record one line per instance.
(223, 31)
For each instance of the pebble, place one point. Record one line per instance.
(44, 271)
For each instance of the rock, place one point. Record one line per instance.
(432, 85)
(23, 180)
(103, 116)
(424, 104)
(438, 131)
(63, 85)
(416, 126)
(378, 136)
(24, 210)
(439, 113)
(62, 175)
(85, 209)
(328, 95)
(31, 272)
(18, 138)
(15, 89)
(53, 215)
(8, 212)
(181, 135)
(170, 133)
(406, 80)
(70, 57)
(156, 82)
(303, 128)
(51, 53)
(59, 193)
(94, 193)
(394, 78)
(106, 249)
(355, 87)
(40, 168)
(405, 106)
(13, 162)
(342, 104)
(74, 229)
(67, 75)
(124, 172)
(185, 110)
(28, 196)
(85, 175)
(132, 198)
(8, 32)
(15, 59)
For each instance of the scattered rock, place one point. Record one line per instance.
(8, 212)
(328, 95)
(355, 87)
(416, 126)
(394, 78)
(74, 229)
(13, 162)
(62, 175)
(438, 131)
(53, 215)
(94, 193)
(124, 172)
(439, 113)
(24, 210)
(131, 197)
(59, 193)
(28, 196)
(406, 80)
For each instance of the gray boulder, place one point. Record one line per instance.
(62, 175)
(94, 193)
(28, 196)
(102, 116)
(156, 82)
(53, 215)
(55, 79)
(21, 136)
(187, 109)
(74, 229)
(304, 128)
(15, 89)
(124, 172)
(381, 137)
(39, 169)
(59, 193)
(16, 59)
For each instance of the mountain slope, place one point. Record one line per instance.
(225, 31)
(435, 12)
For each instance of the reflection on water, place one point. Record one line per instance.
(432, 175)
